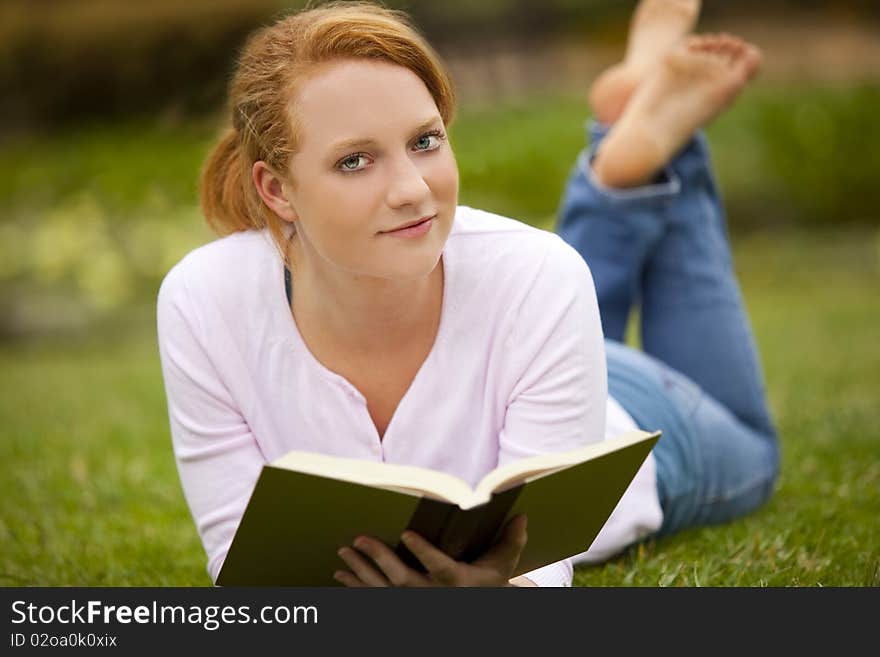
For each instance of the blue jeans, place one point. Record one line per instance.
(664, 247)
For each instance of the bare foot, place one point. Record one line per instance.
(694, 83)
(655, 28)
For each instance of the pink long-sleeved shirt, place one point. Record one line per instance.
(517, 369)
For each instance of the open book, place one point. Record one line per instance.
(305, 506)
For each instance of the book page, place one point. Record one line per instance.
(408, 479)
(522, 470)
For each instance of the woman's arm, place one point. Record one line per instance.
(557, 359)
(217, 457)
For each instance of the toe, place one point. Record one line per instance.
(753, 57)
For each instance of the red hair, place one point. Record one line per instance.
(274, 63)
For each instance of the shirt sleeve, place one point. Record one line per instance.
(557, 356)
(217, 457)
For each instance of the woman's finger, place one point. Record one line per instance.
(346, 578)
(441, 566)
(397, 572)
(362, 568)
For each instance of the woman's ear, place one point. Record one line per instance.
(271, 189)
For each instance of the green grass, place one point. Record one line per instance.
(89, 487)
(91, 495)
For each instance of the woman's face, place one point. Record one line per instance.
(373, 157)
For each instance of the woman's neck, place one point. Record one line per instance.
(363, 315)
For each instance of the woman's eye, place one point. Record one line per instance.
(427, 142)
(353, 163)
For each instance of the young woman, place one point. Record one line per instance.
(354, 308)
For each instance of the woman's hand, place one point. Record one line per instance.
(494, 568)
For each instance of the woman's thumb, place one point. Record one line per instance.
(515, 532)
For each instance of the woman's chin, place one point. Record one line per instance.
(412, 271)
(410, 263)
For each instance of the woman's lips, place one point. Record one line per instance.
(416, 230)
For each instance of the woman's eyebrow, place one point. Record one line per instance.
(360, 142)
(424, 125)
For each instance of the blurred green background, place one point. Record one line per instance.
(109, 108)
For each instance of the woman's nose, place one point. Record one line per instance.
(407, 185)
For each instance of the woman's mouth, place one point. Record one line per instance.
(413, 228)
